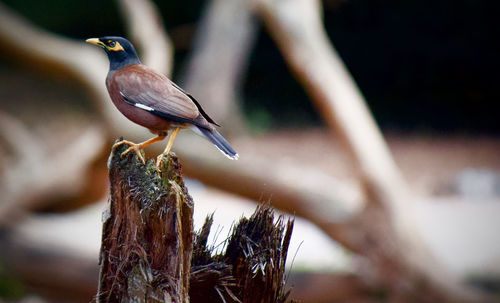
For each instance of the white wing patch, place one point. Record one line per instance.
(138, 105)
(144, 107)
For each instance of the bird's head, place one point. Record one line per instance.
(119, 50)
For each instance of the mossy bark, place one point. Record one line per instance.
(147, 238)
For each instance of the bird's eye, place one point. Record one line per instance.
(112, 43)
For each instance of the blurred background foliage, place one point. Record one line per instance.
(423, 66)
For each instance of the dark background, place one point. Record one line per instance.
(423, 66)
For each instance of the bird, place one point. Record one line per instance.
(152, 100)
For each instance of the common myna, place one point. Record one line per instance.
(152, 100)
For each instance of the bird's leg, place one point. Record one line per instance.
(137, 147)
(171, 140)
(169, 146)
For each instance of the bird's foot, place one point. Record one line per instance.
(133, 147)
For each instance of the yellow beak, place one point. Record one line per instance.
(95, 41)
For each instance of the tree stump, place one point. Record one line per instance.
(147, 238)
(149, 252)
(251, 269)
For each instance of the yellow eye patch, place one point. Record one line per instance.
(114, 46)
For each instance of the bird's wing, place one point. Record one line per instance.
(148, 90)
(198, 105)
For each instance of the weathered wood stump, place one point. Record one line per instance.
(149, 252)
(147, 238)
(252, 267)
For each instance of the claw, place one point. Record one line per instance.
(133, 147)
(121, 143)
(137, 149)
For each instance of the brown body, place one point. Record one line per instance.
(141, 83)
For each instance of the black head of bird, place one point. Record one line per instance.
(119, 50)
(150, 99)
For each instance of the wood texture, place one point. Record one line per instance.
(147, 236)
(252, 266)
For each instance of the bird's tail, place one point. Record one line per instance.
(219, 142)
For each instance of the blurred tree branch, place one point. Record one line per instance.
(52, 271)
(145, 25)
(296, 26)
(29, 43)
(34, 174)
(222, 45)
(296, 188)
